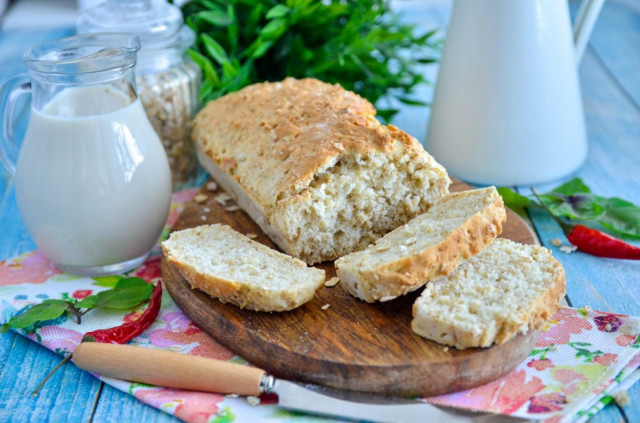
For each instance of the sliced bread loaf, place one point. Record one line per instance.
(508, 288)
(431, 245)
(229, 266)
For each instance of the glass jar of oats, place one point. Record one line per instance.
(168, 81)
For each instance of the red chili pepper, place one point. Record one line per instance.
(593, 241)
(601, 244)
(126, 332)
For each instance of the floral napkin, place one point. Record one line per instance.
(583, 359)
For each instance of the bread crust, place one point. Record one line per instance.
(412, 272)
(532, 318)
(250, 297)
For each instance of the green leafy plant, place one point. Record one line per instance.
(574, 200)
(359, 44)
(127, 293)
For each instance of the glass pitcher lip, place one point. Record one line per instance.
(84, 53)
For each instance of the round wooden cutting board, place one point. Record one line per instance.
(351, 344)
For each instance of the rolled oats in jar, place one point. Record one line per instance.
(168, 81)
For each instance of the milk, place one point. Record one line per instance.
(92, 181)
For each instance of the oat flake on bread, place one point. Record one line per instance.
(309, 162)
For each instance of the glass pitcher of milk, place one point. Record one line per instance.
(92, 180)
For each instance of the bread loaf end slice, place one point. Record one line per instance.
(507, 289)
(234, 269)
(431, 245)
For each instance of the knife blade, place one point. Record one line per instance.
(183, 371)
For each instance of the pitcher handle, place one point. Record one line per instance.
(587, 15)
(10, 91)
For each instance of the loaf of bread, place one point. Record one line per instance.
(229, 266)
(508, 288)
(311, 165)
(431, 245)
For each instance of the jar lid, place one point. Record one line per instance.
(157, 23)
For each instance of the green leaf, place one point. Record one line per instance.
(278, 11)
(214, 49)
(515, 201)
(88, 302)
(215, 17)
(574, 186)
(620, 216)
(46, 310)
(261, 49)
(274, 29)
(128, 293)
(209, 72)
(579, 206)
(107, 281)
(411, 102)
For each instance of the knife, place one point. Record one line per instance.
(183, 371)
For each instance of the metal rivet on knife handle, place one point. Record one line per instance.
(166, 368)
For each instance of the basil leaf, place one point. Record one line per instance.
(107, 281)
(578, 206)
(620, 216)
(128, 293)
(88, 302)
(574, 186)
(515, 201)
(46, 310)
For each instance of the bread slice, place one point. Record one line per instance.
(313, 167)
(508, 288)
(431, 245)
(229, 266)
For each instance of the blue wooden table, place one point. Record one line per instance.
(610, 78)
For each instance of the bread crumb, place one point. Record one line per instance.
(231, 396)
(445, 349)
(326, 306)
(212, 186)
(253, 400)
(252, 235)
(203, 218)
(232, 208)
(332, 282)
(621, 397)
(568, 249)
(222, 198)
(556, 242)
(200, 198)
(206, 210)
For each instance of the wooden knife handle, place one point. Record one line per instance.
(166, 368)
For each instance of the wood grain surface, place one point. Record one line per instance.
(351, 344)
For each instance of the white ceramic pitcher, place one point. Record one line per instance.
(507, 108)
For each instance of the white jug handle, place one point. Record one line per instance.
(587, 15)
(9, 93)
